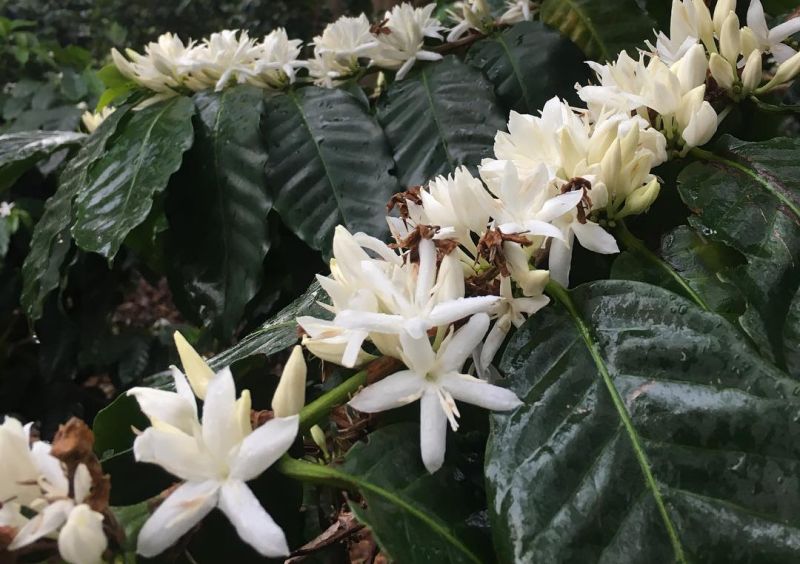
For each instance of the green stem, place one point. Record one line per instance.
(637, 247)
(327, 475)
(558, 293)
(775, 108)
(318, 409)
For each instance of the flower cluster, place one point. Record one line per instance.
(670, 87)
(50, 498)
(170, 67)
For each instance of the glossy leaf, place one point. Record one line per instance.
(20, 151)
(691, 266)
(120, 185)
(41, 271)
(651, 432)
(600, 29)
(439, 117)
(747, 196)
(528, 64)
(414, 516)
(328, 164)
(218, 210)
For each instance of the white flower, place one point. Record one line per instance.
(411, 298)
(402, 38)
(276, 60)
(785, 72)
(517, 11)
(510, 311)
(215, 459)
(435, 378)
(17, 468)
(771, 40)
(82, 540)
(226, 57)
(290, 395)
(690, 22)
(338, 49)
(92, 120)
(5, 208)
(473, 14)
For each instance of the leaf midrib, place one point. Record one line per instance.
(562, 296)
(587, 22)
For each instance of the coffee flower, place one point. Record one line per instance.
(338, 50)
(92, 120)
(771, 40)
(214, 458)
(434, 377)
(470, 15)
(402, 38)
(276, 60)
(517, 11)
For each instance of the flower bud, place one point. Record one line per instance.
(705, 25)
(691, 69)
(318, 435)
(749, 41)
(197, 371)
(82, 540)
(243, 406)
(702, 126)
(752, 73)
(722, 71)
(640, 199)
(786, 72)
(721, 11)
(290, 396)
(729, 41)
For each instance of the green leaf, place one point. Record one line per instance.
(791, 335)
(279, 332)
(414, 516)
(20, 151)
(690, 266)
(50, 243)
(132, 518)
(328, 164)
(651, 432)
(747, 196)
(218, 209)
(600, 29)
(528, 64)
(439, 117)
(120, 186)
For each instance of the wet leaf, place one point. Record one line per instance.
(20, 151)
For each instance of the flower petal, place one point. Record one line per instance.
(82, 540)
(448, 312)
(50, 519)
(432, 431)
(594, 238)
(196, 369)
(178, 453)
(169, 407)
(253, 524)
(175, 517)
(395, 390)
(261, 448)
(220, 423)
(469, 389)
(417, 354)
(455, 350)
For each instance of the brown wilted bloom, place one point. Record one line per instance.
(401, 200)
(490, 247)
(380, 28)
(585, 204)
(74, 445)
(411, 242)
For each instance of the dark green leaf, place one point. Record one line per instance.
(651, 432)
(439, 117)
(20, 151)
(218, 209)
(692, 267)
(328, 164)
(132, 518)
(529, 64)
(416, 516)
(748, 197)
(120, 186)
(600, 29)
(50, 243)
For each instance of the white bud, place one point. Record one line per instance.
(197, 371)
(641, 199)
(729, 41)
(691, 69)
(752, 73)
(290, 396)
(318, 435)
(82, 540)
(749, 41)
(705, 25)
(721, 11)
(786, 72)
(702, 126)
(721, 71)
